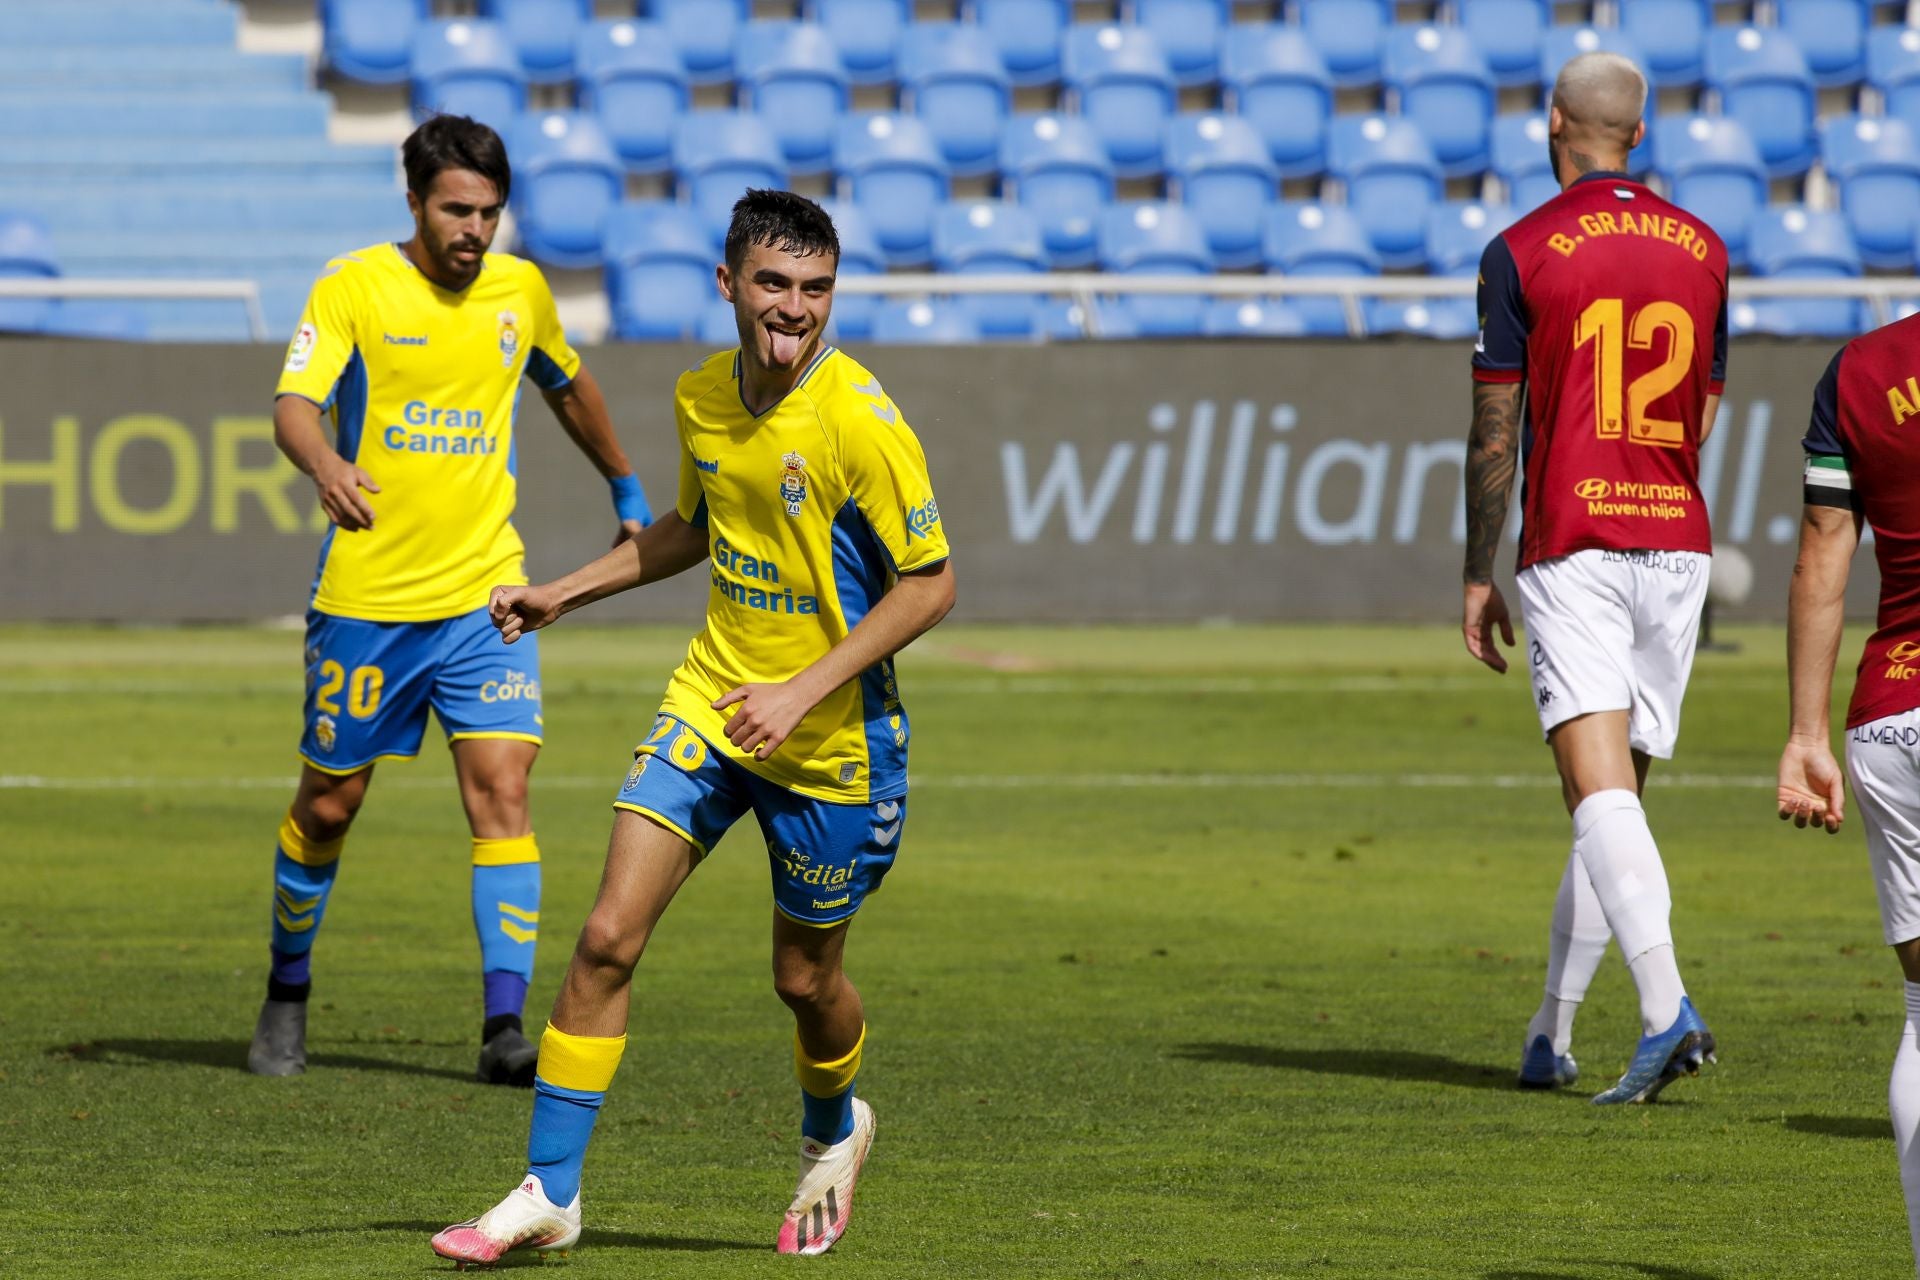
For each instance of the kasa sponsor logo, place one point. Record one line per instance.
(923, 519)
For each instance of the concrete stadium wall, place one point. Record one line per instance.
(1089, 482)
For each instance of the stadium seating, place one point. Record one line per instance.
(1893, 70)
(1876, 164)
(659, 265)
(717, 326)
(1831, 36)
(566, 180)
(94, 319)
(1056, 166)
(542, 32)
(703, 31)
(1763, 82)
(1508, 35)
(1220, 169)
(467, 67)
(867, 33)
(987, 237)
(1712, 168)
(934, 322)
(1798, 244)
(717, 155)
(1272, 77)
(1561, 45)
(369, 40)
(1391, 178)
(1422, 317)
(1068, 320)
(1458, 233)
(1027, 33)
(1442, 84)
(790, 74)
(890, 166)
(1188, 33)
(1519, 159)
(26, 251)
(1118, 79)
(860, 255)
(1252, 318)
(1144, 237)
(1347, 34)
(633, 80)
(951, 77)
(1672, 34)
(1308, 239)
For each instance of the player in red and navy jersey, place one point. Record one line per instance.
(1863, 465)
(1602, 352)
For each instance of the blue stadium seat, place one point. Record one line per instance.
(891, 167)
(632, 79)
(1391, 177)
(703, 31)
(108, 22)
(717, 327)
(46, 114)
(951, 76)
(1067, 320)
(1458, 233)
(1273, 77)
(1119, 81)
(1057, 167)
(1562, 44)
(466, 67)
(26, 252)
(543, 32)
(1145, 237)
(1763, 82)
(1220, 170)
(1444, 87)
(1519, 159)
(1447, 318)
(860, 255)
(1252, 318)
(1831, 35)
(790, 75)
(866, 32)
(1673, 36)
(929, 322)
(717, 155)
(659, 267)
(567, 178)
(1308, 239)
(370, 40)
(1712, 167)
(1876, 164)
(1188, 33)
(93, 319)
(1027, 33)
(1507, 34)
(988, 237)
(1347, 34)
(1893, 68)
(1795, 243)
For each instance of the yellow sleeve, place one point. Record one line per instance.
(325, 340)
(887, 473)
(691, 501)
(552, 363)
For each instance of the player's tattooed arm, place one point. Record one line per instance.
(1493, 455)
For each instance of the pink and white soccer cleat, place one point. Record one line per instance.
(526, 1219)
(823, 1202)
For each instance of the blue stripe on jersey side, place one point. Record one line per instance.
(545, 372)
(513, 435)
(349, 401)
(699, 520)
(860, 571)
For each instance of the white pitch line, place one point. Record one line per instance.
(956, 782)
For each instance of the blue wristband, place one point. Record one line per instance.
(629, 500)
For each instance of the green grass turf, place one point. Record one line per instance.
(1119, 1027)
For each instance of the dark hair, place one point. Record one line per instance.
(455, 142)
(779, 220)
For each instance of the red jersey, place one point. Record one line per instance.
(1610, 304)
(1863, 454)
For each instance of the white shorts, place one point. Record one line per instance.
(1883, 764)
(1614, 631)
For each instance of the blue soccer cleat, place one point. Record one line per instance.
(1542, 1068)
(1682, 1049)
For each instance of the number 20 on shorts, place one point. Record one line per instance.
(363, 689)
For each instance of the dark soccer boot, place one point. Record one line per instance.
(508, 1057)
(279, 1045)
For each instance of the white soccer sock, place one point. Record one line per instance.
(1903, 1100)
(1610, 832)
(1575, 946)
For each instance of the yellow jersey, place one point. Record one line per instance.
(421, 383)
(812, 509)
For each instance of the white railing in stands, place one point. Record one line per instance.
(244, 292)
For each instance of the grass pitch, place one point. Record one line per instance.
(1208, 954)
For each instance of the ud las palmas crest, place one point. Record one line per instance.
(793, 482)
(509, 339)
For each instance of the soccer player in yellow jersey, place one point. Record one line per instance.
(802, 483)
(416, 351)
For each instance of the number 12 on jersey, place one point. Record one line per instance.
(1604, 323)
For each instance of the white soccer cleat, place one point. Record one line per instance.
(823, 1202)
(526, 1219)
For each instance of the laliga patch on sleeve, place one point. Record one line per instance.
(302, 348)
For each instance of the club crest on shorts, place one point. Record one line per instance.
(633, 774)
(509, 338)
(323, 732)
(793, 482)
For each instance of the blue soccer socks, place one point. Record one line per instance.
(826, 1091)
(506, 917)
(303, 873)
(572, 1082)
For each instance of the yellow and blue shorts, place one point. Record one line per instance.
(825, 858)
(370, 685)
